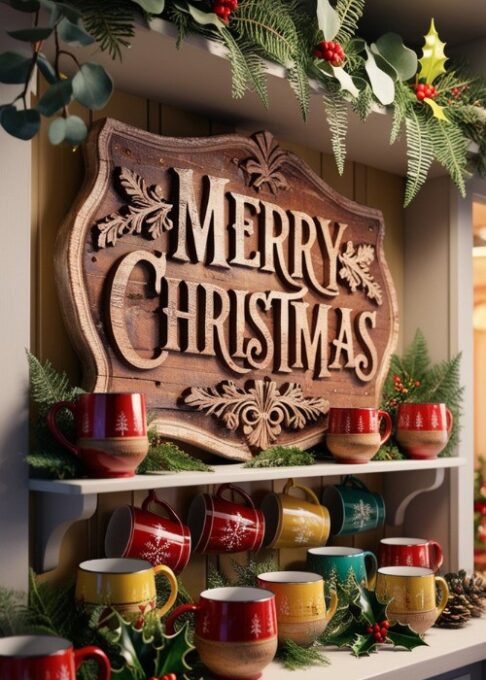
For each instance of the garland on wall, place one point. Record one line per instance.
(441, 108)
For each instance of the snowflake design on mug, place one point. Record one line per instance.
(362, 513)
(63, 673)
(234, 533)
(303, 529)
(284, 607)
(256, 626)
(121, 423)
(157, 550)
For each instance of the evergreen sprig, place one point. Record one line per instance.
(281, 456)
(294, 657)
(111, 22)
(167, 456)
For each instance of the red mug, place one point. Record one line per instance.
(423, 430)
(236, 630)
(135, 532)
(218, 525)
(410, 552)
(354, 435)
(111, 432)
(39, 657)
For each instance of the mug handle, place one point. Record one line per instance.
(444, 592)
(332, 605)
(450, 420)
(438, 554)
(373, 570)
(80, 655)
(169, 574)
(388, 425)
(308, 492)
(153, 498)
(182, 609)
(351, 480)
(236, 489)
(55, 431)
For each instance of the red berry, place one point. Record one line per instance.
(385, 624)
(377, 637)
(330, 51)
(384, 632)
(369, 629)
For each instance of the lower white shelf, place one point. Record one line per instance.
(448, 650)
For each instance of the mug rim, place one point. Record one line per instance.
(110, 394)
(110, 540)
(407, 572)
(89, 566)
(29, 639)
(294, 577)
(404, 541)
(257, 594)
(334, 551)
(427, 403)
(353, 408)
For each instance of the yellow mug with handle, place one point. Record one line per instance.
(123, 584)
(294, 522)
(411, 593)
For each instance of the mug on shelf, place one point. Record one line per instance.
(411, 593)
(219, 525)
(410, 552)
(38, 657)
(291, 522)
(123, 584)
(354, 434)
(136, 532)
(423, 430)
(236, 630)
(353, 508)
(336, 564)
(111, 432)
(299, 601)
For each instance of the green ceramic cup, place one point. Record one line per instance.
(353, 507)
(338, 563)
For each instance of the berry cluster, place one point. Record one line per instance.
(424, 91)
(331, 52)
(379, 630)
(223, 8)
(167, 676)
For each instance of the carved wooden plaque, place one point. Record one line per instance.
(225, 280)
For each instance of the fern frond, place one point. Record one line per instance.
(48, 386)
(420, 152)
(350, 12)
(13, 612)
(111, 22)
(450, 148)
(337, 119)
(181, 21)
(247, 69)
(299, 82)
(363, 105)
(50, 607)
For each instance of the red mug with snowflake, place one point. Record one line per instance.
(110, 431)
(354, 435)
(423, 430)
(38, 657)
(218, 525)
(410, 552)
(236, 630)
(136, 532)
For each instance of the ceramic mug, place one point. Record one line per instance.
(236, 630)
(292, 522)
(135, 532)
(410, 552)
(219, 525)
(354, 434)
(411, 593)
(126, 585)
(111, 432)
(336, 564)
(353, 508)
(299, 601)
(423, 430)
(38, 657)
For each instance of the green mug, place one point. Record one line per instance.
(353, 507)
(338, 563)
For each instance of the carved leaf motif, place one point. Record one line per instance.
(146, 212)
(355, 270)
(260, 409)
(264, 167)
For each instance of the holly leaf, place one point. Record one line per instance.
(433, 57)
(363, 600)
(346, 638)
(402, 58)
(379, 608)
(403, 636)
(327, 19)
(364, 645)
(437, 109)
(171, 658)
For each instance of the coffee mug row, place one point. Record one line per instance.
(216, 524)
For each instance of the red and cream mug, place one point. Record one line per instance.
(236, 630)
(221, 526)
(38, 657)
(423, 430)
(354, 435)
(111, 432)
(136, 532)
(410, 552)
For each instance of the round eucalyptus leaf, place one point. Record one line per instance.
(22, 124)
(151, 6)
(72, 130)
(92, 86)
(14, 68)
(402, 58)
(46, 68)
(74, 34)
(70, 12)
(31, 34)
(57, 96)
(383, 63)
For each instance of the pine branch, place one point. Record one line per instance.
(450, 149)
(48, 386)
(337, 119)
(350, 12)
(280, 456)
(51, 608)
(363, 105)
(299, 82)
(182, 22)
(247, 69)
(111, 22)
(420, 152)
(167, 456)
(13, 612)
(293, 657)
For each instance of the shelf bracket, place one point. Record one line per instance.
(54, 515)
(402, 488)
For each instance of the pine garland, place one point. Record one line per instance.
(293, 657)
(281, 456)
(167, 456)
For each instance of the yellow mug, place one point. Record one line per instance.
(299, 600)
(291, 522)
(126, 585)
(411, 595)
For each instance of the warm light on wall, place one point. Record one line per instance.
(479, 317)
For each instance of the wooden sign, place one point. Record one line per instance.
(225, 280)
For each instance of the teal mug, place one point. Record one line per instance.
(353, 508)
(339, 563)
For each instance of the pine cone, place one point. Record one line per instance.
(475, 591)
(456, 613)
